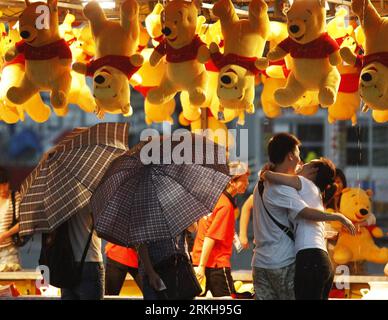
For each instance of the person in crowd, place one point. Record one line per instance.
(154, 257)
(9, 206)
(273, 262)
(91, 286)
(313, 272)
(119, 262)
(214, 241)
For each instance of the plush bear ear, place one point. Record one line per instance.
(369, 192)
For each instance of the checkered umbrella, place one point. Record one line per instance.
(66, 176)
(137, 202)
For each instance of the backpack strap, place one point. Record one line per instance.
(285, 229)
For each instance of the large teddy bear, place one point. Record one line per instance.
(47, 57)
(355, 204)
(12, 75)
(241, 61)
(373, 87)
(314, 54)
(185, 55)
(116, 59)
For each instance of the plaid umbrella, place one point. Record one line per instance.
(66, 176)
(136, 203)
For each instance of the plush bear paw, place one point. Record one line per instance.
(137, 60)
(58, 99)
(326, 96)
(61, 112)
(197, 97)
(14, 94)
(154, 96)
(284, 97)
(130, 8)
(127, 110)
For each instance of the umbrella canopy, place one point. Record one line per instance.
(137, 202)
(66, 176)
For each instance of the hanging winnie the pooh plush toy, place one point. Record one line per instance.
(373, 87)
(356, 205)
(240, 63)
(47, 57)
(185, 55)
(314, 55)
(12, 76)
(116, 59)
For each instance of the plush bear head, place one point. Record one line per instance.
(38, 23)
(84, 48)
(235, 87)
(306, 20)
(374, 86)
(179, 21)
(355, 203)
(111, 90)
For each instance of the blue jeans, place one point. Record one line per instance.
(91, 286)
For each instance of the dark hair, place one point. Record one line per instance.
(325, 175)
(340, 174)
(280, 145)
(4, 177)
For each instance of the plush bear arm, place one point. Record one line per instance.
(275, 72)
(258, 17)
(261, 63)
(335, 58)
(276, 54)
(80, 67)
(224, 10)
(368, 15)
(11, 54)
(137, 60)
(130, 18)
(95, 14)
(377, 232)
(203, 54)
(348, 56)
(155, 58)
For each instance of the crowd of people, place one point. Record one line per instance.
(290, 259)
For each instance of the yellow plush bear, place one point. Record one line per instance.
(356, 205)
(185, 55)
(348, 100)
(244, 41)
(12, 76)
(48, 57)
(314, 55)
(146, 78)
(373, 87)
(116, 59)
(79, 93)
(275, 77)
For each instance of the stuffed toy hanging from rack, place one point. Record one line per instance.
(116, 59)
(47, 57)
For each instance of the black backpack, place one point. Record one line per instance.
(57, 254)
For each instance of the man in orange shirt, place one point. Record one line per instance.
(214, 241)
